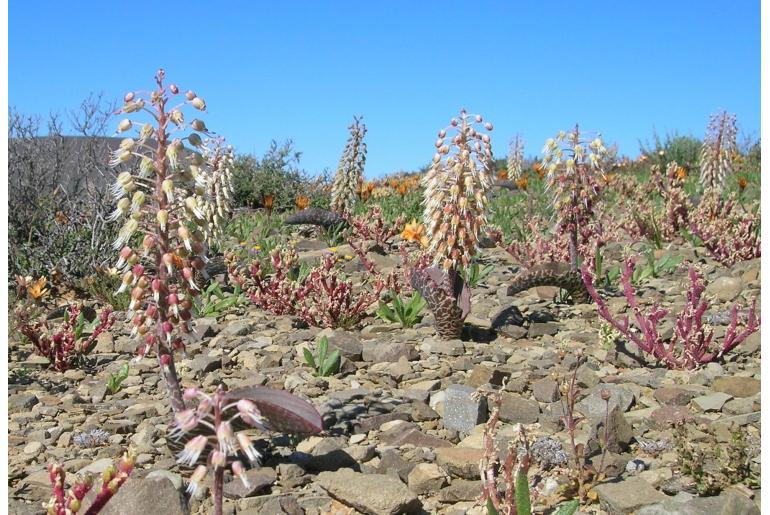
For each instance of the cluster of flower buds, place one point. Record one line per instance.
(350, 171)
(172, 202)
(456, 187)
(515, 158)
(214, 436)
(69, 502)
(718, 150)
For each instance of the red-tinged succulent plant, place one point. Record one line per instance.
(692, 343)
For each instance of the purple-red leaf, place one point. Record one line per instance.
(285, 413)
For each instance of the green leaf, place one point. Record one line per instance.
(568, 508)
(521, 494)
(309, 358)
(331, 364)
(323, 347)
(491, 510)
(386, 313)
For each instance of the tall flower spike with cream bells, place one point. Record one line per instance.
(455, 203)
(171, 201)
(718, 150)
(350, 171)
(456, 188)
(573, 163)
(515, 158)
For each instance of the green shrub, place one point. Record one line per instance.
(278, 174)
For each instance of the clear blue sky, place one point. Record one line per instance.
(301, 70)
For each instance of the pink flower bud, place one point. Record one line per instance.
(151, 312)
(167, 327)
(190, 393)
(168, 260)
(173, 88)
(190, 95)
(128, 97)
(125, 253)
(148, 242)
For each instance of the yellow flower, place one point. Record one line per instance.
(332, 249)
(37, 289)
(415, 232)
(348, 257)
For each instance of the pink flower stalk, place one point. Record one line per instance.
(691, 344)
(216, 439)
(70, 502)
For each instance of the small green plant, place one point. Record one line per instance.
(334, 235)
(323, 364)
(300, 272)
(212, 302)
(665, 264)
(608, 335)
(474, 274)
(715, 466)
(115, 380)
(405, 312)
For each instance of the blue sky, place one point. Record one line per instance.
(301, 70)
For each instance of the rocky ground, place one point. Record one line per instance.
(403, 432)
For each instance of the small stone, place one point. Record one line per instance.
(33, 448)
(671, 395)
(725, 288)
(426, 478)
(374, 494)
(460, 490)
(711, 402)
(482, 374)
(378, 351)
(460, 461)
(635, 467)
(203, 364)
(619, 433)
(443, 347)
(237, 328)
(146, 495)
(515, 409)
(258, 479)
(627, 496)
(542, 328)
(545, 390)
(22, 401)
(347, 343)
(461, 411)
(593, 406)
(737, 386)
